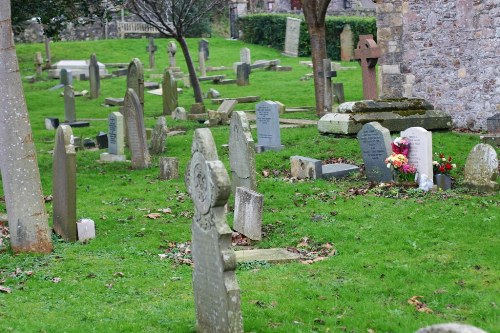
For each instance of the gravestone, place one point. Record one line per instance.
(102, 140)
(327, 75)
(64, 185)
(151, 49)
(493, 124)
(375, 141)
(481, 168)
(203, 47)
(216, 290)
(292, 37)
(367, 53)
(116, 139)
(179, 114)
(268, 127)
(233, 20)
(85, 229)
(169, 92)
(248, 213)
(305, 167)
(245, 56)
(420, 150)
(94, 77)
(51, 123)
(159, 136)
(450, 328)
(38, 63)
(346, 44)
(338, 170)
(169, 168)
(201, 63)
(66, 77)
(172, 50)
(338, 93)
(69, 104)
(243, 75)
(226, 109)
(136, 133)
(242, 153)
(77, 67)
(135, 79)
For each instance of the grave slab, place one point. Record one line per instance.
(338, 170)
(274, 256)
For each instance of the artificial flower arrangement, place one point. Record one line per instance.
(398, 160)
(443, 165)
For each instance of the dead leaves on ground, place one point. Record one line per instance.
(311, 252)
(179, 253)
(419, 305)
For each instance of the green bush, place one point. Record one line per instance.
(270, 29)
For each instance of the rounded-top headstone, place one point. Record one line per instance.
(450, 328)
(481, 168)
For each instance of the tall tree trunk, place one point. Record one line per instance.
(28, 220)
(198, 97)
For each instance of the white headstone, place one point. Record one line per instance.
(268, 126)
(420, 150)
(245, 56)
(292, 37)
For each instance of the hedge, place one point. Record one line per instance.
(270, 29)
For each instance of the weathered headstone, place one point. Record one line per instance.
(197, 109)
(248, 213)
(292, 37)
(327, 79)
(481, 168)
(116, 139)
(346, 44)
(179, 114)
(216, 290)
(169, 168)
(450, 328)
(268, 127)
(135, 79)
(86, 229)
(64, 185)
(169, 92)
(69, 104)
(375, 141)
(420, 150)
(136, 133)
(51, 123)
(66, 77)
(172, 50)
(151, 49)
(226, 109)
(159, 136)
(203, 47)
(94, 77)
(242, 153)
(367, 53)
(305, 167)
(338, 93)
(245, 56)
(243, 75)
(38, 63)
(201, 63)
(493, 124)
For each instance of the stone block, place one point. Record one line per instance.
(305, 167)
(86, 229)
(338, 170)
(268, 255)
(169, 168)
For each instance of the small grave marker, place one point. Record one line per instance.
(179, 114)
(243, 75)
(481, 168)
(248, 213)
(69, 104)
(201, 62)
(203, 47)
(245, 56)
(268, 127)
(116, 139)
(172, 50)
(38, 63)
(169, 168)
(94, 77)
(151, 49)
(159, 136)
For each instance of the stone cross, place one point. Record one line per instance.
(38, 63)
(159, 136)
(216, 290)
(169, 92)
(69, 104)
(242, 153)
(327, 75)
(243, 75)
(94, 77)
(64, 185)
(203, 47)
(136, 133)
(201, 62)
(367, 53)
(172, 50)
(135, 79)
(151, 49)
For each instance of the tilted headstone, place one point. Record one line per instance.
(151, 49)
(172, 50)
(268, 127)
(201, 63)
(94, 77)
(135, 79)
(116, 139)
(327, 79)
(179, 114)
(66, 77)
(420, 150)
(226, 108)
(292, 37)
(248, 213)
(136, 133)
(450, 328)
(64, 185)
(481, 168)
(375, 141)
(38, 63)
(216, 290)
(367, 53)
(243, 75)
(169, 93)
(242, 153)
(346, 44)
(69, 104)
(169, 168)
(203, 47)
(159, 136)
(305, 167)
(245, 56)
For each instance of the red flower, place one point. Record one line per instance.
(448, 166)
(441, 168)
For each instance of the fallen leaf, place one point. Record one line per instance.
(303, 242)
(419, 306)
(56, 279)
(265, 173)
(5, 289)
(109, 285)
(165, 210)
(119, 274)
(48, 198)
(153, 216)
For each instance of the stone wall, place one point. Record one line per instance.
(446, 51)
(336, 8)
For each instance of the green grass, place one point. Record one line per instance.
(392, 244)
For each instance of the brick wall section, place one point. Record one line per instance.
(446, 51)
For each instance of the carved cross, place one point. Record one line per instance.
(367, 53)
(151, 49)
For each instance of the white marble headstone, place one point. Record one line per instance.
(420, 150)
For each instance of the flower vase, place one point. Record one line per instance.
(442, 181)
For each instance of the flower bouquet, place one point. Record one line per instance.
(442, 167)
(403, 171)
